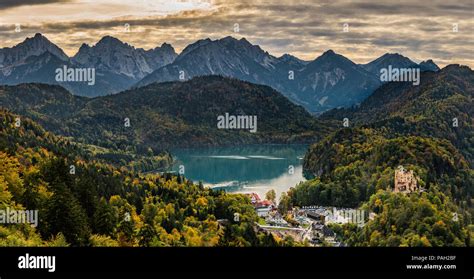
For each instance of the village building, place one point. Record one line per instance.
(262, 207)
(318, 217)
(276, 219)
(322, 233)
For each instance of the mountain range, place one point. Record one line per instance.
(117, 65)
(112, 55)
(329, 81)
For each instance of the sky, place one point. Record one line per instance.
(442, 30)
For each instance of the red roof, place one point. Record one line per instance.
(257, 201)
(254, 197)
(265, 203)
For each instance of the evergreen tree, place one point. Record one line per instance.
(65, 215)
(105, 218)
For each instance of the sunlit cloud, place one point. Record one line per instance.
(83, 10)
(306, 29)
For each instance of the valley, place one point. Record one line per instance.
(182, 157)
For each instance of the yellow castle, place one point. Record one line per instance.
(405, 181)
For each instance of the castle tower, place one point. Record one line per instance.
(405, 181)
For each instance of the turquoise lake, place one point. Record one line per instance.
(243, 169)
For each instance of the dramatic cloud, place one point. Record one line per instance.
(416, 29)
(5, 4)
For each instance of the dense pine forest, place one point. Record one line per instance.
(98, 204)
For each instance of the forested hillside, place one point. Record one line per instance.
(427, 129)
(88, 203)
(428, 220)
(161, 116)
(442, 106)
(353, 164)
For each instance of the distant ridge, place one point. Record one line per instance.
(329, 81)
(165, 115)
